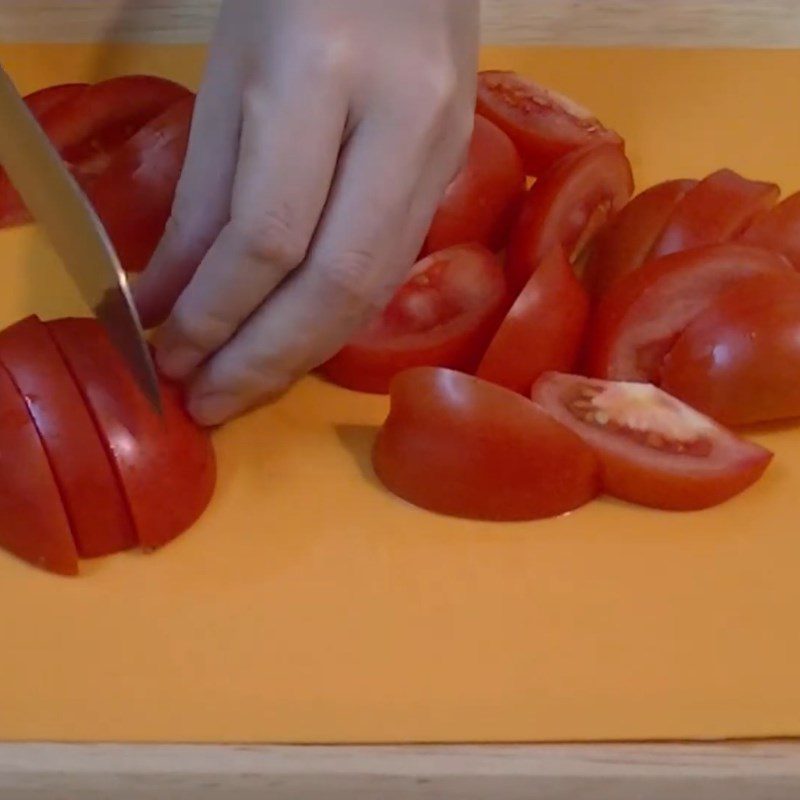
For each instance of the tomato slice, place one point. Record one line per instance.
(778, 229)
(638, 320)
(43, 101)
(480, 203)
(739, 361)
(33, 523)
(717, 210)
(165, 464)
(93, 502)
(654, 450)
(460, 446)
(543, 124)
(444, 315)
(567, 206)
(542, 331)
(623, 245)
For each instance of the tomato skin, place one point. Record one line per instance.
(463, 447)
(566, 206)
(739, 361)
(544, 125)
(717, 210)
(641, 472)
(479, 204)
(543, 330)
(778, 229)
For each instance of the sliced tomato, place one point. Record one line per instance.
(542, 331)
(778, 229)
(654, 450)
(460, 446)
(543, 124)
(33, 523)
(567, 207)
(43, 101)
(165, 464)
(444, 315)
(480, 203)
(623, 245)
(640, 317)
(717, 210)
(739, 361)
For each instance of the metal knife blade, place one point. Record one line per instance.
(59, 205)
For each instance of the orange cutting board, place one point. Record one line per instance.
(311, 606)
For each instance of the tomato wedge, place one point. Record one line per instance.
(567, 207)
(717, 210)
(444, 315)
(739, 361)
(460, 446)
(165, 464)
(34, 525)
(654, 450)
(638, 320)
(543, 124)
(542, 331)
(43, 101)
(95, 507)
(624, 244)
(778, 229)
(480, 203)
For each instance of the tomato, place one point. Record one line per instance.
(639, 318)
(94, 505)
(481, 201)
(623, 245)
(567, 206)
(444, 315)
(717, 210)
(654, 450)
(33, 524)
(457, 445)
(739, 361)
(542, 331)
(778, 229)
(165, 464)
(543, 124)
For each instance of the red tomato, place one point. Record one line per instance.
(460, 446)
(444, 315)
(739, 361)
(542, 331)
(567, 206)
(639, 318)
(717, 210)
(93, 502)
(480, 203)
(34, 525)
(543, 124)
(778, 229)
(623, 245)
(165, 464)
(653, 449)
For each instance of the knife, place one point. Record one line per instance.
(57, 202)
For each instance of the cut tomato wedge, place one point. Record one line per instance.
(43, 101)
(778, 229)
(460, 446)
(654, 450)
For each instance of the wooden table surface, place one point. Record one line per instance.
(740, 771)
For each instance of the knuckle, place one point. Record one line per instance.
(330, 58)
(272, 239)
(199, 329)
(438, 93)
(350, 276)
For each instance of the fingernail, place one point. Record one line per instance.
(178, 363)
(213, 409)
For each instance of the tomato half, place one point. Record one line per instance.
(93, 502)
(444, 315)
(717, 210)
(480, 203)
(739, 361)
(654, 450)
(543, 124)
(624, 244)
(165, 464)
(638, 320)
(33, 523)
(542, 331)
(567, 207)
(778, 229)
(460, 446)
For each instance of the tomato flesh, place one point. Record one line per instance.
(778, 229)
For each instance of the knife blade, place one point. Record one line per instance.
(57, 202)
